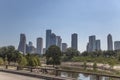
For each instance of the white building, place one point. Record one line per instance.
(39, 45)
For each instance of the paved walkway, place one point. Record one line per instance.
(9, 76)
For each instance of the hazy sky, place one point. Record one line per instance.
(64, 17)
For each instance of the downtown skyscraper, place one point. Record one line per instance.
(40, 46)
(48, 38)
(74, 41)
(52, 39)
(22, 44)
(64, 47)
(98, 45)
(30, 48)
(59, 42)
(93, 44)
(109, 42)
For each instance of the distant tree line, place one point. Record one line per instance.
(9, 54)
(105, 57)
(54, 56)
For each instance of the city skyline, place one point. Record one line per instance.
(64, 17)
(52, 39)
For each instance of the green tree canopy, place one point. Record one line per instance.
(22, 61)
(10, 53)
(70, 53)
(33, 60)
(53, 55)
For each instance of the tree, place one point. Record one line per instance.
(1, 61)
(118, 54)
(22, 61)
(33, 60)
(5, 61)
(53, 55)
(3, 52)
(70, 53)
(111, 62)
(10, 53)
(85, 53)
(38, 61)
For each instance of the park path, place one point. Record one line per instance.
(9, 76)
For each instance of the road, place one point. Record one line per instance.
(9, 76)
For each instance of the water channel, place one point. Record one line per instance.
(80, 76)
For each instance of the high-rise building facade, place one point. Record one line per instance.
(53, 39)
(98, 45)
(88, 47)
(109, 42)
(30, 43)
(27, 48)
(40, 46)
(64, 47)
(59, 41)
(22, 44)
(30, 48)
(92, 41)
(48, 38)
(117, 45)
(74, 41)
(44, 50)
(93, 44)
